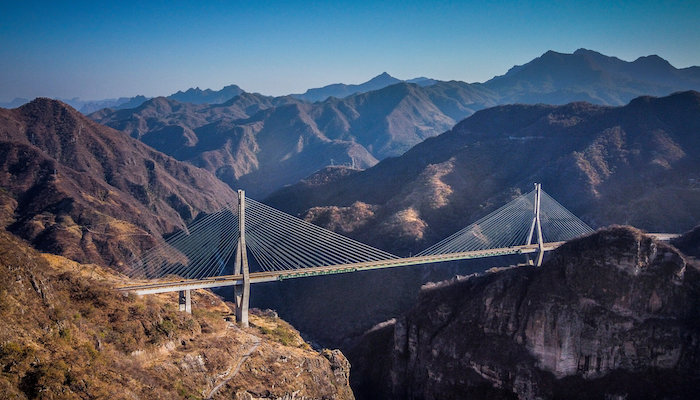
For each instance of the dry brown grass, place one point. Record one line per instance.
(68, 334)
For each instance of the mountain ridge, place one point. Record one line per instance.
(89, 192)
(356, 131)
(559, 78)
(386, 122)
(198, 96)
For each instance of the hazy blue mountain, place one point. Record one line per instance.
(391, 120)
(192, 95)
(585, 75)
(87, 106)
(207, 96)
(422, 81)
(115, 104)
(16, 102)
(341, 90)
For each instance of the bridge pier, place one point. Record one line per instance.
(536, 227)
(185, 300)
(242, 291)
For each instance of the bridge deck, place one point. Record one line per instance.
(269, 276)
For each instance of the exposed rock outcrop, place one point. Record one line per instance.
(612, 315)
(689, 242)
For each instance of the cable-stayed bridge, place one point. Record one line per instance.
(213, 251)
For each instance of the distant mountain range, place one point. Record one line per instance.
(207, 96)
(73, 187)
(341, 90)
(16, 102)
(88, 106)
(192, 95)
(553, 78)
(585, 75)
(384, 118)
(262, 143)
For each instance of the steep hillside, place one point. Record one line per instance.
(607, 165)
(73, 187)
(253, 142)
(67, 333)
(611, 315)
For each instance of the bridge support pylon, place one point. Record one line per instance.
(185, 300)
(536, 227)
(242, 291)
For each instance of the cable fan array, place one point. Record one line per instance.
(558, 223)
(510, 225)
(201, 250)
(279, 241)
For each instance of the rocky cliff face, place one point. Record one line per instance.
(689, 242)
(612, 315)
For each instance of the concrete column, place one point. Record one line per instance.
(185, 300)
(242, 292)
(540, 240)
(535, 226)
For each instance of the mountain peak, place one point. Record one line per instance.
(583, 51)
(653, 61)
(384, 77)
(341, 90)
(206, 96)
(551, 53)
(45, 106)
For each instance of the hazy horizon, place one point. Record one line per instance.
(94, 51)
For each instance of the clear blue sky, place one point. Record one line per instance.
(99, 50)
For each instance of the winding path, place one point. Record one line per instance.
(256, 343)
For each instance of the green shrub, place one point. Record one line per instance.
(167, 327)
